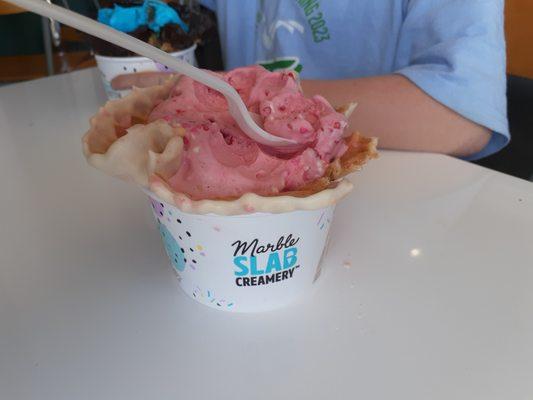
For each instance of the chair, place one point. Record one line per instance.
(519, 34)
(517, 158)
(64, 48)
(9, 9)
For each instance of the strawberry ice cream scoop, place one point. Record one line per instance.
(220, 161)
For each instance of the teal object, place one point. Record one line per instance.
(164, 15)
(124, 19)
(153, 13)
(174, 250)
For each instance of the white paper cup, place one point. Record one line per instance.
(112, 67)
(244, 263)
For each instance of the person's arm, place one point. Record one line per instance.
(401, 115)
(448, 91)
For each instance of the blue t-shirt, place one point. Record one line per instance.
(454, 50)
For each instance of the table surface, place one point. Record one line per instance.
(427, 291)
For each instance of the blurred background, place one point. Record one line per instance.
(32, 47)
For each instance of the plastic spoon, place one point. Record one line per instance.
(236, 106)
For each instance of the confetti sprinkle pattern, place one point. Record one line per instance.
(159, 208)
(324, 220)
(183, 252)
(209, 296)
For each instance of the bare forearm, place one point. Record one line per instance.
(401, 115)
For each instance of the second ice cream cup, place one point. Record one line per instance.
(113, 68)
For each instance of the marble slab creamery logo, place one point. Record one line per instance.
(259, 263)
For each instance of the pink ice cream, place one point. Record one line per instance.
(220, 161)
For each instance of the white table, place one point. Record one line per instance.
(427, 291)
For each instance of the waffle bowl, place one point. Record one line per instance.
(123, 144)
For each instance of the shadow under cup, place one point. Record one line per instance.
(244, 263)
